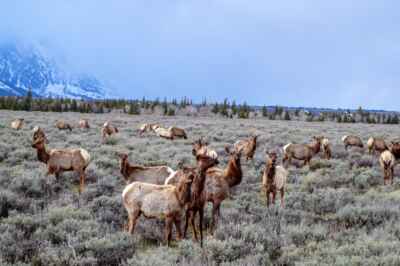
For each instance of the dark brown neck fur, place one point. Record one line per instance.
(43, 155)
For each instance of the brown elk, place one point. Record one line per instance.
(164, 202)
(387, 162)
(352, 141)
(62, 160)
(376, 144)
(150, 174)
(39, 133)
(395, 148)
(62, 125)
(303, 152)
(17, 124)
(84, 124)
(170, 133)
(274, 179)
(247, 146)
(201, 148)
(108, 130)
(198, 197)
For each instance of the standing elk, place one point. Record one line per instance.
(84, 124)
(198, 197)
(62, 160)
(150, 174)
(274, 179)
(108, 130)
(62, 125)
(352, 141)
(326, 145)
(17, 124)
(387, 162)
(303, 152)
(39, 133)
(164, 202)
(247, 146)
(376, 144)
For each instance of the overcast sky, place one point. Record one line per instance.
(298, 53)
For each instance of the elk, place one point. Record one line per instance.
(39, 133)
(170, 133)
(150, 174)
(148, 128)
(274, 179)
(200, 148)
(62, 125)
(17, 124)
(108, 130)
(376, 144)
(84, 123)
(352, 141)
(326, 145)
(247, 146)
(198, 197)
(219, 181)
(62, 160)
(302, 152)
(387, 162)
(158, 201)
(395, 148)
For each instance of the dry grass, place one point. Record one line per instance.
(337, 212)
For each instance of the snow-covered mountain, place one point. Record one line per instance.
(22, 69)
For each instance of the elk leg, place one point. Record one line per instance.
(391, 175)
(193, 224)
(215, 211)
(168, 229)
(132, 220)
(282, 197)
(273, 197)
(201, 214)
(178, 228)
(267, 195)
(188, 213)
(81, 181)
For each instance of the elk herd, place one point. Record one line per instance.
(163, 193)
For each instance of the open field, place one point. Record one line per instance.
(337, 211)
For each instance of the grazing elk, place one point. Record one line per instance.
(274, 179)
(352, 141)
(164, 202)
(387, 162)
(150, 174)
(200, 148)
(303, 152)
(62, 160)
(62, 125)
(148, 128)
(39, 133)
(395, 148)
(247, 146)
(326, 145)
(84, 124)
(17, 123)
(108, 130)
(376, 144)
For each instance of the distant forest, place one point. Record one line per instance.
(185, 106)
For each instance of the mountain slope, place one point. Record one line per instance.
(24, 69)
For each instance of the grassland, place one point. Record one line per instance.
(337, 212)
